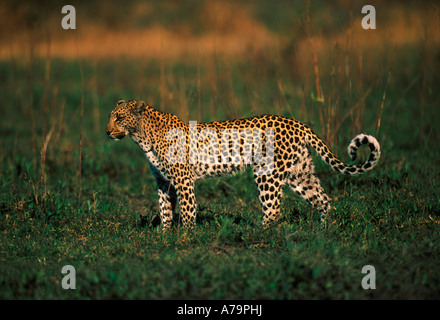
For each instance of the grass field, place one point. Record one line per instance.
(70, 196)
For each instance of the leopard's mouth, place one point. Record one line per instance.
(116, 136)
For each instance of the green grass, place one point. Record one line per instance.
(99, 212)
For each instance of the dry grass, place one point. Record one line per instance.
(229, 29)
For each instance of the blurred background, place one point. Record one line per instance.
(151, 29)
(314, 45)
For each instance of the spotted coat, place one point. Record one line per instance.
(176, 160)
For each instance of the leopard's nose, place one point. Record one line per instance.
(107, 130)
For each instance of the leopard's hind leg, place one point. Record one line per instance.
(270, 189)
(306, 184)
(309, 188)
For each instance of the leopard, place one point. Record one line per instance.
(278, 149)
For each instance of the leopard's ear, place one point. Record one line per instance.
(120, 101)
(139, 108)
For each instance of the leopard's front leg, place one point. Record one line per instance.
(187, 201)
(167, 198)
(167, 202)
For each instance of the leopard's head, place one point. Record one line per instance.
(125, 119)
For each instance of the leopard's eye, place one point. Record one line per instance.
(118, 117)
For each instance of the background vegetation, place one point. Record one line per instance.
(68, 195)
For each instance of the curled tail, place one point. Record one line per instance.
(347, 169)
